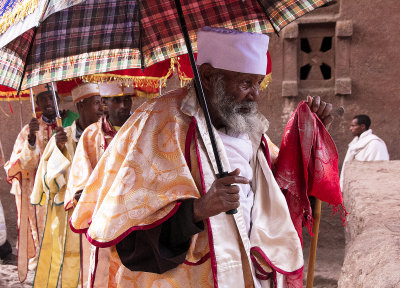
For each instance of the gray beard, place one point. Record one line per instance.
(230, 112)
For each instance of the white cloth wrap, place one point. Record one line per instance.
(366, 147)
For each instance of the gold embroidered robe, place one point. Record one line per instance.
(143, 176)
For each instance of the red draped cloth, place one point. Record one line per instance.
(307, 165)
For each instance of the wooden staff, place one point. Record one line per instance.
(58, 119)
(313, 246)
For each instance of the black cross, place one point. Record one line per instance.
(48, 87)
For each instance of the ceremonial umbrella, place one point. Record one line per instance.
(81, 37)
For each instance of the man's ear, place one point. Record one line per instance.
(206, 72)
(363, 127)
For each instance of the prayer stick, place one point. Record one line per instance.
(313, 246)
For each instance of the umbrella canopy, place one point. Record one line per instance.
(106, 35)
(146, 82)
(9, 94)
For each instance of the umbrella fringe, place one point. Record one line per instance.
(11, 94)
(17, 13)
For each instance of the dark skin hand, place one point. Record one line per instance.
(222, 196)
(322, 109)
(33, 128)
(61, 137)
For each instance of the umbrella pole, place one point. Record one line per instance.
(20, 110)
(313, 246)
(58, 119)
(32, 103)
(200, 94)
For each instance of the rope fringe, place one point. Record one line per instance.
(17, 13)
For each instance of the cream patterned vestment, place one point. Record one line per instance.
(89, 150)
(143, 176)
(60, 247)
(21, 169)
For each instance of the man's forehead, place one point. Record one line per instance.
(44, 95)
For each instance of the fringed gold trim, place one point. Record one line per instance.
(267, 79)
(13, 93)
(17, 13)
(185, 80)
(140, 82)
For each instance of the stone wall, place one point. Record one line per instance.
(361, 49)
(372, 197)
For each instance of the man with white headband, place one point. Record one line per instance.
(155, 195)
(60, 249)
(94, 141)
(21, 170)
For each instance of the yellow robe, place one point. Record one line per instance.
(21, 170)
(91, 147)
(59, 257)
(143, 176)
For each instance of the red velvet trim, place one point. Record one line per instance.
(82, 231)
(15, 176)
(93, 276)
(81, 260)
(201, 261)
(262, 277)
(258, 249)
(127, 232)
(258, 266)
(192, 136)
(266, 150)
(65, 208)
(107, 128)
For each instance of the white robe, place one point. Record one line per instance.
(366, 147)
(3, 230)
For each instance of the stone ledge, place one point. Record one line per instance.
(372, 197)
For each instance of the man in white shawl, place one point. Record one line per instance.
(365, 145)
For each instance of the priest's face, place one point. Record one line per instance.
(119, 109)
(235, 97)
(91, 108)
(45, 103)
